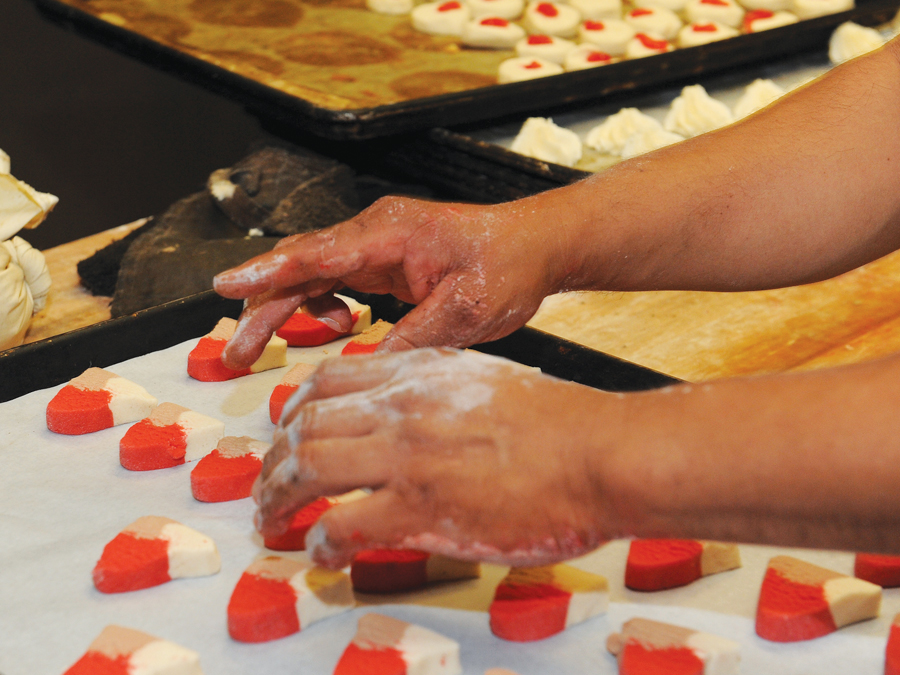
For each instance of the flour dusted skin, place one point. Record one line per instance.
(205, 360)
(125, 651)
(170, 436)
(228, 472)
(97, 399)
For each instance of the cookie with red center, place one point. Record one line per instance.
(276, 597)
(396, 571)
(228, 472)
(801, 601)
(125, 651)
(587, 56)
(726, 12)
(286, 388)
(532, 603)
(656, 21)
(546, 47)
(447, 17)
(170, 436)
(610, 35)
(646, 647)
(492, 32)
(883, 570)
(551, 18)
(303, 330)
(151, 551)
(764, 19)
(205, 360)
(657, 564)
(520, 69)
(387, 646)
(644, 44)
(505, 9)
(704, 32)
(97, 399)
(597, 10)
(368, 341)
(892, 651)
(294, 538)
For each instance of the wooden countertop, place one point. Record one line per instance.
(690, 335)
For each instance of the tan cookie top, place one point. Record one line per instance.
(802, 572)
(238, 446)
(653, 634)
(94, 379)
(116, 641)
(148, 527)
(379, 631)
(166, 413)
(298, 374)
(375, 334)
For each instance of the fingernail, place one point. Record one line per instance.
(331, 323)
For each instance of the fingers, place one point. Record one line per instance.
(262, 316)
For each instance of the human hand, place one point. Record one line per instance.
(467, 455)
(476, 273)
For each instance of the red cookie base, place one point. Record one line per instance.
(638, 660)
(75, 411)
(791, 612)
(658, 564)
(295, 537)
(224, 479)
(883, 570)
(279, 397)
(358, 661)
(205, 362)
(130, 563)
(95, 663)
(261, 610)
(388, 571)
(526, 613)
(146, 447)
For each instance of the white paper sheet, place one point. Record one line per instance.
(62, 498)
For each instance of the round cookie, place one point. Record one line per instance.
(587, 56)
(551, 18)
(644, 44)
(519, 69)
(505, 9)
(726, 12)
(441, 18)
(391, 7)
(697, 34)
(771, 5)
(492, 33)
(672, 5)
(546, 47)
(654, 21)
(809, 9)
(611, 36)
(598, 9)
(763, 19)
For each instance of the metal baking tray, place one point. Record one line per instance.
(443, 86)
(58, 359)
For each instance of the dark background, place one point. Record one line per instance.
(113, 139)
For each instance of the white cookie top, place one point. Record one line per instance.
(647, 44)
(703, 33)
(694, 112)
(492, 32)
(726, 12)
(598, 9)
(551, 18)
(587, 56)
(441, 18)
(654, 21)
(505, 9)
(850, 40)
(520, 68)
(757, 96)
(763, 19)
(546, 47)
(612, 135)
(540, 138)
(610, 35)
(809, 9)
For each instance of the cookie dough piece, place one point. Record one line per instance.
(387, 646)
(597, 10)
(612, 135)
(170, 436)
(850, 40)
(286, 388)
(883, 570)
(151, 551)
(276, 597)
(657, 564)
(763, 19)
(551, 18)
(391, 7)
(695, 112)
(441, 18)
(547, 47)
(228, 472)
(540, 138)
(294, 539)
(610, 35)
(702, 33)
(303, 330)
(532, 603)
(655, 21)
(726, 12)
(801, 601)
(368, 341)
(646, 647)
(125, 651)
(587, 56)
(205, 360)
(757, 96)
(892, 651)
(97, 399)
(396, 571)
(647, 44)
(492, 33)
(648, 141)
(520, 69)
(809, 9)
(505, 9)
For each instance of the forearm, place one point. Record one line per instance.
(802, 191)
(804, 459)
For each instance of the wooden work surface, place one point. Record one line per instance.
(690, 335)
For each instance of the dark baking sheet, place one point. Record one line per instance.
(467, 105)
(56, 360)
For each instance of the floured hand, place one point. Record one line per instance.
(467, 455)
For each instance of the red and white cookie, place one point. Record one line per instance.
(387, 646)
(97, 399)
(151, 551)
(656, 21)
(520, 69)
(278, 596)
(801, 601)
(368, 341)
(726, 12)
(892, 651)
(674, 5)
(205, 360)
(587, 56)
(883, 570)
(170, 436)
(547, 47)
(704, 32)
(302, 330)
(286, 388)
(228, 472)
(294, 539)
(595, 10)
(396, 571)
(532, 603)
(447, 17)
(551, 18)
(125, 651)
(492, 32)
(611, 35)
(657, 564)
(764, 19)
(646, 647)
(505, 9)
(646, 44)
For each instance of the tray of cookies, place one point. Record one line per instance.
(357, 69)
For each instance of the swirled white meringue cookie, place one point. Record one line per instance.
(646, 44)
(703, 33)
(547, 47)
(521, 68)
(726, 12)
(850, 40)
(505, 9)
(764, 19)
(672, 5)
(540, 138)
(441, 18)
(394, 7)
(695, 112)
(612, 135)
(492, 33)
(611, 35)
(757, 96)
(587, 56)
(809, 9)
(551, 18)
(598, 9)
(648, 141)
(654, 21)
